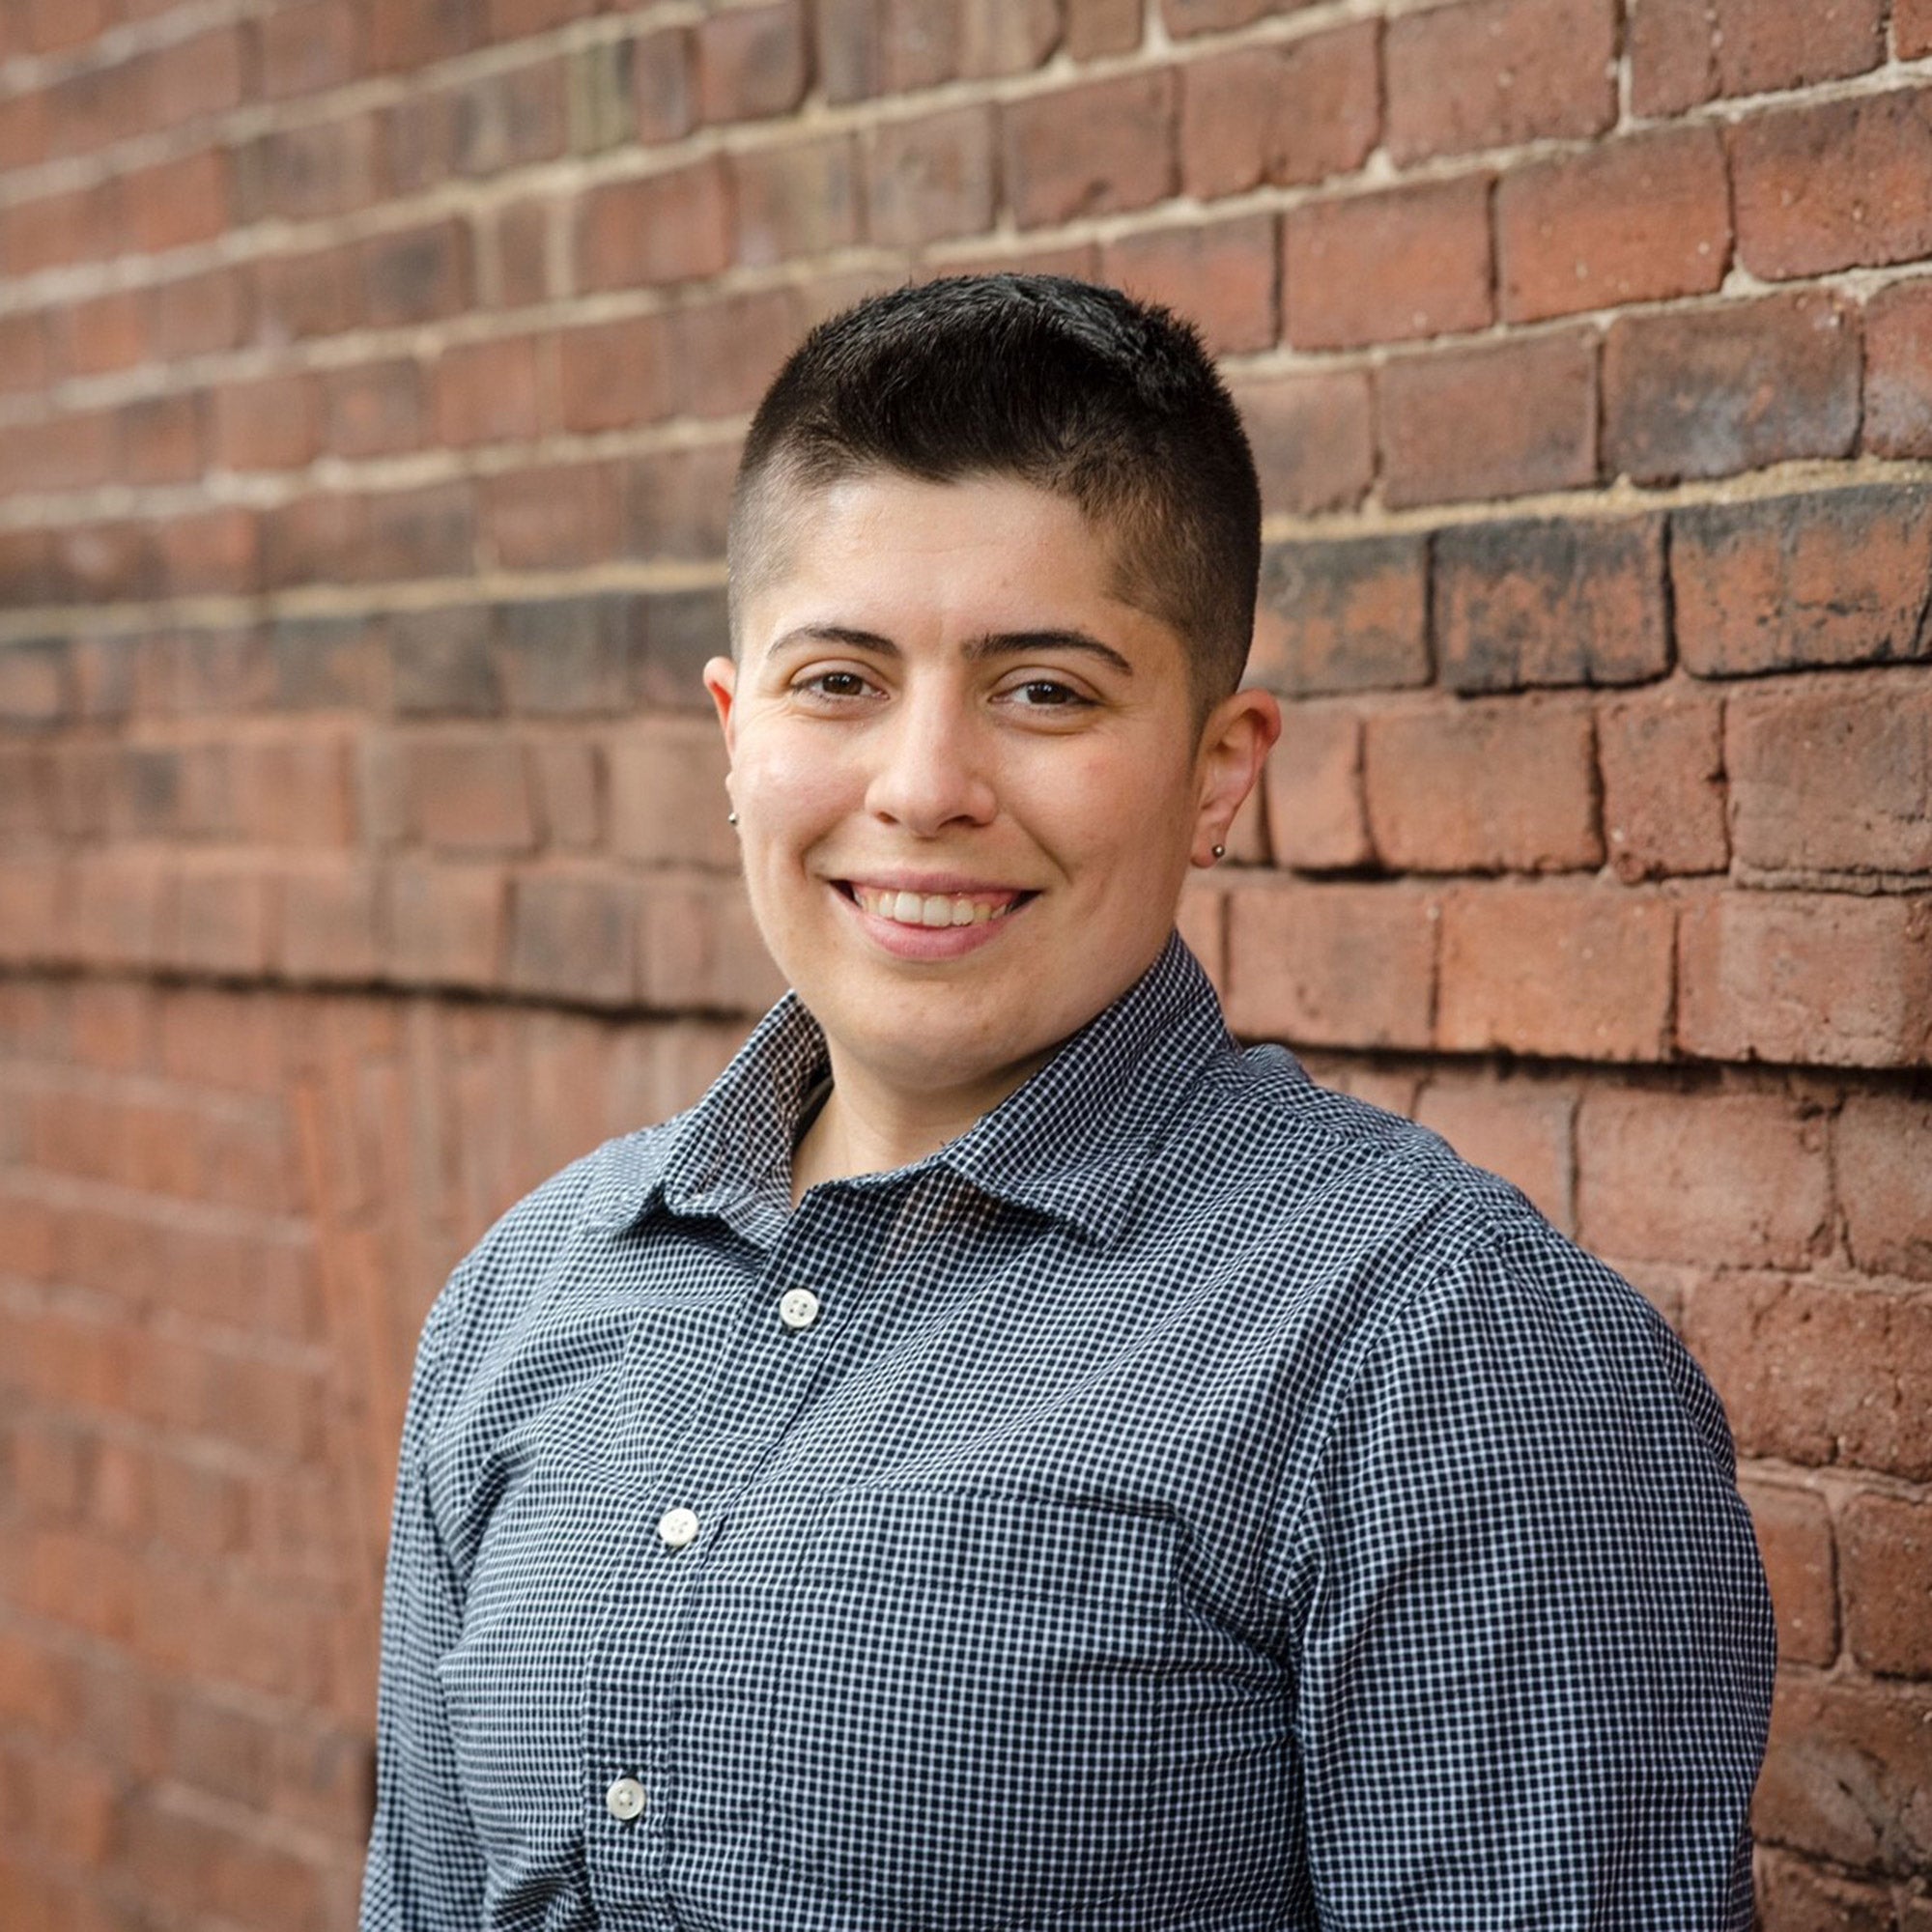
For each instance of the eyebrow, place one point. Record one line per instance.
(993, 644)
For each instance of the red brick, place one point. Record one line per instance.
(1348, 616)
(24, 351)
(1638, 219)
(614, 375)
(1313, 440)
(566, 656)
(511, 119)
(1220, 274)
(53, 230)
(216, 550)
(1808, 978)
(272, 423)
(1899, 370)
(1561, 969)
(932, 177)
(307, 47)
(298, 296)
(1443, 439)
(1793, 1537)
(71, 452)
(677, 502)
(196, 78)
(1494, 74)
(1097, 148)
(446, 925)
(726, 351)
(1884, 1146)
(997, 36)
(1793, 1896)
(751, 62)
(405, 35)
(669, 227)
(1686, 51)
(1837, 577)
(174, 203)
(1483, 787)
(1732, 1178)
(569, 792)
(1100, 27)
(496, 390)
(1849, 1774)
(573, 936)
(468, 794)
(1887, 1543)
(665, 88)
(1661, 758)
(800, 198)
(225, 910)
(1332, 965)
(1554, 601)
(1284, 115)
(1316, 817)
(108, 332)
(1835, 185)
(1185, 17)
(552, 515)
(1711, 392)
(314, 538)
(426, 531)
(698, 947)
(1832, 778)
(374, 409)
(513, 19)
(415, 274)
(1517, 1127)
(667, 801)
(1379, 268)
(27, 128)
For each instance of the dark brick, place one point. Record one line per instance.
(797, 198)
(672, 635)
(1712, 391)
(678, 500)
(1350, 616)
(565, 656)
(327, 664)
(429, 530)
(751, 62)
(306, 172)
(664, 88)
(441, 664)
(574, 936)
(1549, 600)
(1837, 577)
(416, 275)
(1899, 370)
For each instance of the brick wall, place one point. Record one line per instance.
(370, 378)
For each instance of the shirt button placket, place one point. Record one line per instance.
(625, 1800)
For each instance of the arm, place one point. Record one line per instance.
(1537, 1654)
(424, 1871)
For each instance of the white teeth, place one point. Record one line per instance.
(929, 909)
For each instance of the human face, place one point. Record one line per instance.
(969, 777)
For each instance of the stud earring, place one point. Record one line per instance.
(1220, 851)
(731, 818)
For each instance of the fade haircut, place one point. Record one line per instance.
(1080, 390)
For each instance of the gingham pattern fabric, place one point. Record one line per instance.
(1200, 1500)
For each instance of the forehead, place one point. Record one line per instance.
(992, 550)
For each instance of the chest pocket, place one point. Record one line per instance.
(968, 1730)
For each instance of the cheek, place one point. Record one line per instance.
(788, 792)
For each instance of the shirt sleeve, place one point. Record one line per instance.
(425, 1870)
(1535, 1671)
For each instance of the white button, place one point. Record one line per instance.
(798, 1308)
(678, 1527)
(625, 1799)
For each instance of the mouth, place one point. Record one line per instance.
(932, 910)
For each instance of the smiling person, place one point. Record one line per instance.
(1009, 1456)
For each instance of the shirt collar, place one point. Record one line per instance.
(1069, 1143)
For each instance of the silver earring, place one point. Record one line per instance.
(1220, 851)
(731, 818)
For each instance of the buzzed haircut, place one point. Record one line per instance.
(1081, 390)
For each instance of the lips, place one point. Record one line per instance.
(930, 905)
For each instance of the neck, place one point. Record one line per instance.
(870, 1126)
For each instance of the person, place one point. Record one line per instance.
(1009, 1456)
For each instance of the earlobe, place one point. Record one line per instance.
(1234, 744)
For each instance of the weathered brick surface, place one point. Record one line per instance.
(372, 374)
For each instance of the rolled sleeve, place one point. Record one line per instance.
(1535, 1673)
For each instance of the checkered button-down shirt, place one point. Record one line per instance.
(1192, 1498)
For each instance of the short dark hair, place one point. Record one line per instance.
(1078, 389)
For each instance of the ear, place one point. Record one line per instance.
(1235, 743)
(721, 680)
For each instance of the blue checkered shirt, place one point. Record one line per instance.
(1192, 1498)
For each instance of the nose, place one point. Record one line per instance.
(930, 771)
